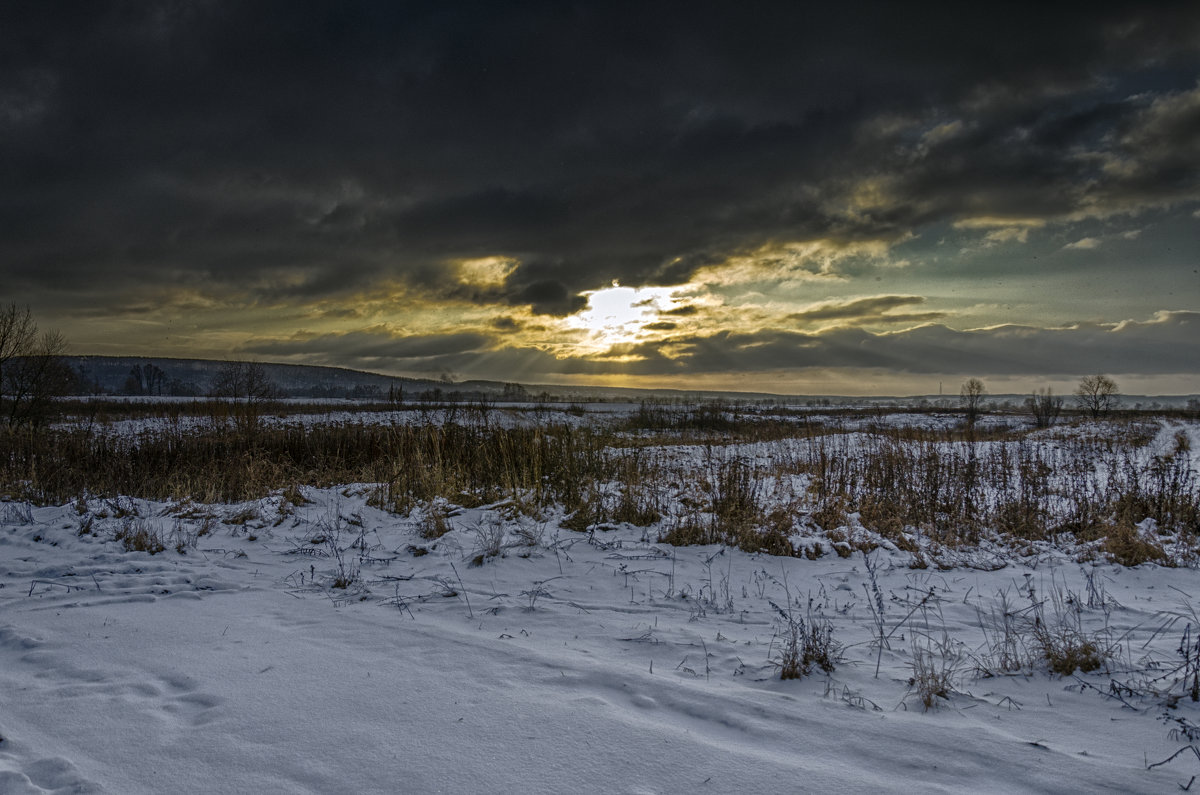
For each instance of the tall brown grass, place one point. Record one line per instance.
(911, 486)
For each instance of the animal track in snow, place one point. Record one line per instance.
(21, 775)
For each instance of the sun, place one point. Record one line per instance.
(617, 315)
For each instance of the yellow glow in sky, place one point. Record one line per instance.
(619, 314)
(485, 271)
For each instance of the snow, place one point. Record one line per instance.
(497, 415)
(600, 662)
(512, 415)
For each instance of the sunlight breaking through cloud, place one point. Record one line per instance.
(616, 315)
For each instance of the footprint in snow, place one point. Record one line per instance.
(12, 640)
(185, 703)
(22, 773)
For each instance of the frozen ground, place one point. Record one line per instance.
(340, 412)
(569, 662)
(510, 415)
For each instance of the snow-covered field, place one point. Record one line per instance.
(284, 413)
(325, 645)
(522, 415)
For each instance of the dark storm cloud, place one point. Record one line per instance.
(504, 323)
(1169, 343)
(1093, 157)
(223, 145)
(548, 297)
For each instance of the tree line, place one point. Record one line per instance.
(1096, 396)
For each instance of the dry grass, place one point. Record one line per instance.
(1059, 637)
(1124, 545)
(916, 488)
(805, 644)
(936, 665)
(435, 520)
(138, 535)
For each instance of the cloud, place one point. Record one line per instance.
(451, 159)
(1159, 147)
(819, 259)
(485, 271)
(874, 309)
(370, 344)
(1083, 244)
(1009, 234)
(548, 297)
(1168, 343)
(687, 310)
(998, 231)
(942, 132)
(514, 158)
(989, 222)
(505, 323)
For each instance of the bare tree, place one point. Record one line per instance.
(249, 387)
(18, 333)
(971, 398)
(1045, 407)
(32, 372)
(147, 379)
(1097, 395)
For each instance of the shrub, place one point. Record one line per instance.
(1005, 634)
(1062, 641)
(687, 531)
(1045, 407)
(807, 642)
(183, 537)
(137, 535)
(435, 522)
(347, 571)
(935, 666)
(489, 540)
(1124, 545)
(1067, 651)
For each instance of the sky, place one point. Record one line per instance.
(848, 198)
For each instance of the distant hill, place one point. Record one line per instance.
(139, 375)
